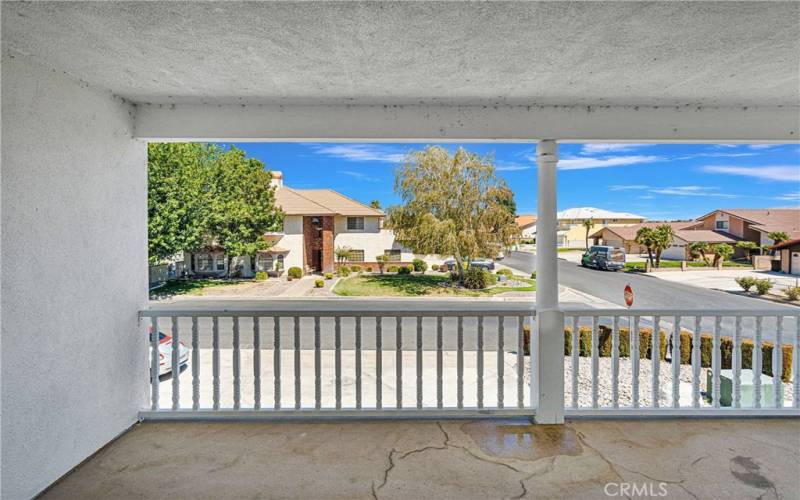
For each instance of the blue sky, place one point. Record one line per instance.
(659, 181)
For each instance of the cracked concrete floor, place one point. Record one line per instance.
(479, 459)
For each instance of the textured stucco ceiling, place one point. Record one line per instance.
(667, 53)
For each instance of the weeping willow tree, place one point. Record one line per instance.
(453, 204)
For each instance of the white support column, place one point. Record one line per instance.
(547, 387)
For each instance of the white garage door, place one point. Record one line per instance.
(675, 252)
(795, 263)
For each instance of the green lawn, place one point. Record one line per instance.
(639, 266)
(417, 285)
(191, 287)
(571, 250)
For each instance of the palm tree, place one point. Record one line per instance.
(662, 239)
(588, 224)
(748, 247)
(722, 252)
(342, 254)
(699, 249)
(645, 236)
(778, 236)
(375, 204)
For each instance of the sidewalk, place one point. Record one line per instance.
(725, 279)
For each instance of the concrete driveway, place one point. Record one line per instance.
(725, 279)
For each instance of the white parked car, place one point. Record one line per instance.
(165, 354)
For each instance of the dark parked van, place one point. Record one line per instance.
(605, 258)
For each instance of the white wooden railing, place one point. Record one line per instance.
(461, 362)
(699, 327)
(289, 364)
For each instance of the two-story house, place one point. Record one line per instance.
(753, 224)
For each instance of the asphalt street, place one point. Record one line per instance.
(653, 293)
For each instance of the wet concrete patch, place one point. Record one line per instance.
(746, 470)
(523, 441)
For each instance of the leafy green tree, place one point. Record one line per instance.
(342, 254)
(452, 205)
(242, 204)
(177, 197)
(748, 247)
(381, 260)
(375, 204)
(662, 239)
(588, 224)
(778, 236)
(722, 252)
(645, 236)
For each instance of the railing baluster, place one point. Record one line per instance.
(595, 361)
(716, 361)
(298, 391)
(756, 364)
(398, 354)
(378, 363)
(337, 334)
(317, 366)
(419, 361)
(796, 361)
(634, 341)
(521, 361)
(215, 360)
(655, 361)
(615, 363)
(256, 363)
(439, 363)
(676, 363)
(155, 360)
(737, 363)
(696, 362)
(480, 361)
(460, 363)
(195, 365)
(237, 366)
(777, 364)
(576, 365)
(276, 361)
(500, 359)
(175, 365)
(358, 362)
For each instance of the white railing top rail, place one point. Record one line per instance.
(588, 312)
(343, 313)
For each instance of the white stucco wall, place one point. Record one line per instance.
(373, 239)
(74, 273)
(292, 240)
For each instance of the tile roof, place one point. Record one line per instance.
(525, 220)
(705, 235)
(629, 232)
(595, 213)
(768, 219)
(320, 202)
(786, 244)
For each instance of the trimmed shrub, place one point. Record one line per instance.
(294, 272)
(533, 275)
(453, 276)
(507, 272)
(405, 269)
(344, 271)
(355, 268)
(763, 286)
(393, 269)
(434, 267)
(476, 278)
(793, 293)
(420, 265)
(368, 269)
(319, 283)
(261, 276)
(328, 276)
(746, 282)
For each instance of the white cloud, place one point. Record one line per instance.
(692, 191)
(589, 149)
(647, 197)
(362, 152)
(626, 187)
(767, 172)
(511, 167)
(358, 175)
(713, 155)
(762, 146)
(795, 196)
(611, 161)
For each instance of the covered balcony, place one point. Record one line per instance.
(432, 399)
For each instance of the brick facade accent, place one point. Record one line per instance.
(313, 242)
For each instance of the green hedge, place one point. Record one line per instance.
(645, 338)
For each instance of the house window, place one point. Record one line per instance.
(265, 263)
(279, 262)
(204, 262)
(393, 254)
(356, 256)
(220, 263)
(355, 223)
(722, 224)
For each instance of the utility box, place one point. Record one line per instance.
(746, 388)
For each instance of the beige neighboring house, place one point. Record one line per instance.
(572, 233)
(685, 233)
(754, 224)
(316, 222)
(789, 254)
(527, 226)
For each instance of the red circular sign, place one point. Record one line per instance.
(628, 295)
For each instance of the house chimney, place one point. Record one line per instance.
(277, 179)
